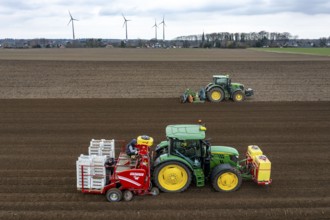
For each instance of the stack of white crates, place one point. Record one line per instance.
(93, 164)
(102, 148)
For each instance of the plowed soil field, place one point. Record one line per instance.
(41, 140)
(143, 73)
(53, 102)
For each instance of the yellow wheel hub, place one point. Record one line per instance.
(173, 177)
(239, 97)
(227, 181)
(216, 95)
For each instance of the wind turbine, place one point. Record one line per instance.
(125, 24)
(155, 26)
(163, 22)
(71, 20)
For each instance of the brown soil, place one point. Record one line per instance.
(271, 80)
(40, 141)
(142, 54)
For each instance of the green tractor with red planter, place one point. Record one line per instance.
(221, 88)
(186, 156)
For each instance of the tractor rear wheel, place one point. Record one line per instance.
(172, 176)
(114, 195)
(226, 178)
(238, 96)
(215, 95)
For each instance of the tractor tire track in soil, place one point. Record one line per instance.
(41, 139)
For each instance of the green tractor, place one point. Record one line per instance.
(220, 89)
(186, 156)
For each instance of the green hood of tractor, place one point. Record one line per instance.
(186, 132)
(235, 86)
(224, 150)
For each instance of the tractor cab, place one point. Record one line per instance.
(222, 80)
(186, 142)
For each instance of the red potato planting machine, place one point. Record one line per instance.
(122, 178)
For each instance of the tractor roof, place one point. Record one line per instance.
(186, 132)
(220, 76)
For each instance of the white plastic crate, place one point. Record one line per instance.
(102, 147)
(98, 165)
(94, 151)
(97, 183)
(107, 148)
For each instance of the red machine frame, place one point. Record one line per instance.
(132, 174)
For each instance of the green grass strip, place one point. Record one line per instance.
(309, 51)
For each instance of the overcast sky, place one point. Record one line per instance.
(103, 19)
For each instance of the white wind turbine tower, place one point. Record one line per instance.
(163, 22)
(71, 20)
(155, 26)
(125, 24)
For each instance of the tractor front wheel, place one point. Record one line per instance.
(238, 96)
(226, 178)
(114, 195)
(172, 176)
(215, 95)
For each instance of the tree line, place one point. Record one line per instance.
(252, 39)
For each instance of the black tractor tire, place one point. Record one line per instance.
(154, 191)
(114, 195)
(215, 95)
(202, 94)
(128, 195)
(168, 164)
(238, 96)
(234, 180)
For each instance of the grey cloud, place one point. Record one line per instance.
(15, 5)
(254, 7)
(261, 7)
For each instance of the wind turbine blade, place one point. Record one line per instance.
(123, 16)
(69, 21)
(70, 15)
(124, 23)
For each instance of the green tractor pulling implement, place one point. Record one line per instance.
(186, 156)
(220, 89)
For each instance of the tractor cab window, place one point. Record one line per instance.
(187, 148)
(221, 81)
